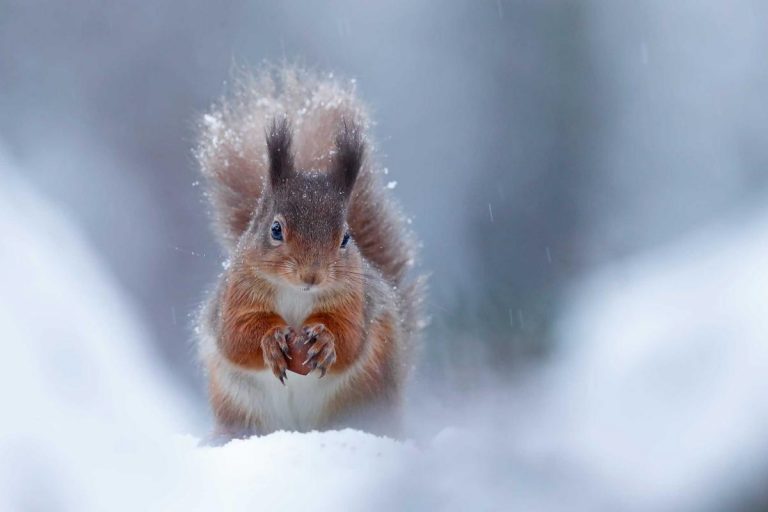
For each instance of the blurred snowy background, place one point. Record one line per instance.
(596, 226)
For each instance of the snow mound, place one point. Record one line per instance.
(290, 471)
(664, 377)
(85, 407)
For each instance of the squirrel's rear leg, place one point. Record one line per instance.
(231, 421)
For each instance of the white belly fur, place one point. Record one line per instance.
(297, 405)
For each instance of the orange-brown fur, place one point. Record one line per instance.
(291, 149)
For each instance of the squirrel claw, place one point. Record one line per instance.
(322, 354)
(323, 366)
(308, 338)
(283, 344)
(286, 341)
(274, 349)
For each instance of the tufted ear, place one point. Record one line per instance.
(350, 153)
(279, 138)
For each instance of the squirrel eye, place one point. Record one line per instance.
(345, 240)
(277, 231)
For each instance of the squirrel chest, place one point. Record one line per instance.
(293, 305)
(297, 405)
(300, 403)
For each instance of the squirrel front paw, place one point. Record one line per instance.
(276, 351)
(322, 352)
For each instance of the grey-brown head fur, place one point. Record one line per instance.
(312, 202)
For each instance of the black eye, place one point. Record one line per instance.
(345, 240)
(277, 231)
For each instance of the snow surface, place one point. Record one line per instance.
(672, 381)
(655, 402)
(84, 404)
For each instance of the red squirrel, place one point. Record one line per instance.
(317, 257)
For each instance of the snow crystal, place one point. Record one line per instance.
(391, 185)
(212, 122)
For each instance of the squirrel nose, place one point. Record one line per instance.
(311, 277)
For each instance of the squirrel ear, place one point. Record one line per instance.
(279, 139)
(350, 152)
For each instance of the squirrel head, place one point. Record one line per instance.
(299, 235)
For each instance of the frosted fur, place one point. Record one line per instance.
(233, 158)
(293, 148)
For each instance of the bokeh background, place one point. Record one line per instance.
(581, 174)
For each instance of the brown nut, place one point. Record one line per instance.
(298, 351)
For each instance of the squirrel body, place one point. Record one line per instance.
(317, 258)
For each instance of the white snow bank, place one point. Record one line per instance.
(85, 410)
(663, 386)
(337, 470)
